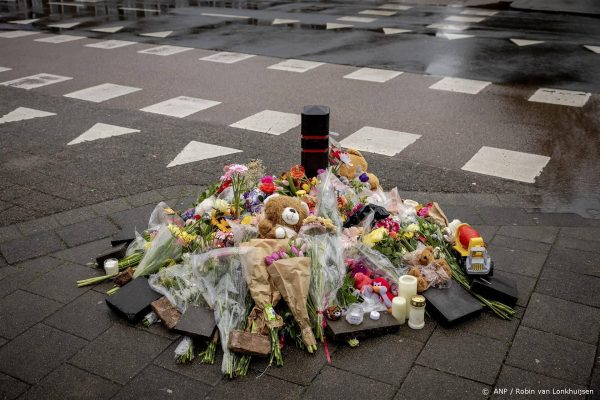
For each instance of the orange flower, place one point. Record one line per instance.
(297, 172)
(393, 235)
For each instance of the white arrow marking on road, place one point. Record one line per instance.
(452, 36)
(16, 34)
(111, 29)
(333, 25)
(67, 25)
(24, 113)
(101, 131)
(595, 49)
(2, 69)
(59, 39)
(280, 21)
(163, 34)
(196, 151)
(525, 42)
(24, 21)
(393, 31)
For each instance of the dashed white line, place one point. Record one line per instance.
(16, 34)
(110, 44)
(380, 141)
(181, 106)
(469, 86)
(293, 65)
(227, 57)
(165, 50)
(560, 97)
(60, 39)
(373, 75)
(508, 164)
(268, 121)
(102, 92)
(35, 81)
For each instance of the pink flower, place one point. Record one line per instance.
(267, 179)
(233, 169)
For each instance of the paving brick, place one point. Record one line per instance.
(38, 225)
(76, 215)
(43, 204)
(111, 206)
(20, 310)
(11, 388)
(487, 324)
(5, 205)
(559, 219)
(120, 353)
(84, 254)
(552, 355)
(209, 374)
(157, 383)
(515, 378)
(3, 341)
(517, 261)
(521, 244)
(59, 284)
(583, 233)
(35, 353)
(149, 197)
(8, 233)
(579, 261)
(420, 335)
(170, 192)
(487, 232)
(376, 355)
(346, 386)
(31, 247)
(133, 219)
(505, 216)
(464, 354)
(427, 384)
(16, 214)
(564, 318)
(525, 285)
(570, 242)
(68, 382)
(20, 275)
(464, 213)
(569, 286)
(87, 231)
(544, 234)
(87, 316)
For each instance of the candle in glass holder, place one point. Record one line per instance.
(416, 318)
(399, 309)
(111, 266)
(407, 288)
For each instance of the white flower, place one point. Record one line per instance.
(221, 205)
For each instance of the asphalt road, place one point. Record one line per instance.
(434, 140)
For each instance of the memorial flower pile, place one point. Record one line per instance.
(278, 259)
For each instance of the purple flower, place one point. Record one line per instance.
(364, 177)
(320, 171)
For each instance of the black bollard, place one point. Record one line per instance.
(315, 139)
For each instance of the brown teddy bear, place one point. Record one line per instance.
(357, 166)
(283, 217)
(425, 258)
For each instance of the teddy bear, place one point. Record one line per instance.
(282, 218)
(427, 269)
(358, 165)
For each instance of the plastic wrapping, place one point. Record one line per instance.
(184, 352)
(138, 245)
(163, 215)
(427, 268)
(163, 248)
(220, 277)
(327, 206)
(242, 232)
(327, 275)
(177, 283)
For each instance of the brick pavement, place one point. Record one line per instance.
(58, 341)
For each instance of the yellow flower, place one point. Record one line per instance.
(412, 228)
(314, 181)
(409, 235)
(300, 193)
(247, 220)
(306, 187)
(374, 237)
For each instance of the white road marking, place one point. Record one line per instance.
(293, 65)
(110, 44)
(103, 92)
(67, 25)
(108, 29)
(459, 18)
(561, 97)
(595, 49)
(227, 57)
(24, 113)
(525, 42)
(225, 16)
(453, 36)
(60, 38)
(474, 11)
(373, 75)
(508, 164)
(460, 85)
(393, 31)
(101, 131)
(357, 19)
(380, 141)
(2, 69)
(448, 27)
(196, 151)
(163, 34)
(24, 21)
(16, 34)
(35, 81)
(398, 7)
(271, 122)
(282, 21)
(382, 13)
(181, 106)
(165, 50)
(333, 25)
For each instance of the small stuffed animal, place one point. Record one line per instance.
(383, 288)
(358, 166)
(333, 313)
(424, 263)
(283, 217)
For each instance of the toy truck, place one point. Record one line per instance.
(473, 254)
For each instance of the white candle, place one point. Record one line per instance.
(416, 319)
(111, 266)
(399, 309)
(407, 288)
